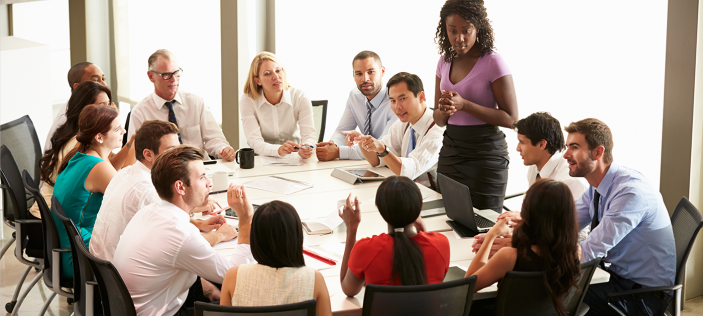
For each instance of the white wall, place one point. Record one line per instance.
(602, 59)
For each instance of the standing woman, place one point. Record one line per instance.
(86, 172)
(277, 118)
(474, 96)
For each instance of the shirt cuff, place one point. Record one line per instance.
(344, 152)
(242, 255)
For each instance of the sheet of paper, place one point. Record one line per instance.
(316, 264)
(335, 248)
(210, 169)
(289, 160)
(277, 185)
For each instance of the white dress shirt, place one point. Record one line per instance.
(128, 192)
(426, 153)
(58, 121)
(160, 255)
(267, 126)
(558, 169)
(196, 124)
(354, 115)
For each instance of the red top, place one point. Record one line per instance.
(371, 259)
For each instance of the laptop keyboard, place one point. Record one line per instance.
(482, 222)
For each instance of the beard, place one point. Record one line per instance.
(583, 167)
(374, 88)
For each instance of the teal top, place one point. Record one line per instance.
(79, 204)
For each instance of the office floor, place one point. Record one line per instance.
(11, 270)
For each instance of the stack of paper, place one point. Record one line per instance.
(323, 226)
(289, 160)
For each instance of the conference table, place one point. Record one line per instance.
(324, 197)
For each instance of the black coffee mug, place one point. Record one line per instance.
(247, 157)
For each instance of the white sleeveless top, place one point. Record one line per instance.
(260, 285)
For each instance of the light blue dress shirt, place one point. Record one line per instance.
(635, 228)
(355, 115)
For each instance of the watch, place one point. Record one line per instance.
(384, 153)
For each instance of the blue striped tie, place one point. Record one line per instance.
(411, 145)
(369, 111)
(172, 117)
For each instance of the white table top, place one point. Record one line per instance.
(322, 199)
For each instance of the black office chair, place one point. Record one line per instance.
(523, 293)
(28, 233)
(126, 129)
(115, 296)
(306, 308)
(510, 196)
(448, 299)
(319, 111)
(686, 223)
(83, 280)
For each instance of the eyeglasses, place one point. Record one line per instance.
(168, 75)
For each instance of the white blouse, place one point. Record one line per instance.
(267, 126)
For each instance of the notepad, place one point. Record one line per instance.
(324, 225)
(278, 185)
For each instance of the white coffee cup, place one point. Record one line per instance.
(219, 181)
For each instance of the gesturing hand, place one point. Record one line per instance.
(238, 201)
(368, 143)
(351, 213)
(351, 135)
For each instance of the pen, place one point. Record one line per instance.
(317, 256)
(218, 192)
(305, 147)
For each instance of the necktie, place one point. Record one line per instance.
(595, 221)
(172, 117)
(369, 111)
(411, 145)
(538, 177)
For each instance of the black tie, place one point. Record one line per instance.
(172, 117)
(595, 221)
(538, 177)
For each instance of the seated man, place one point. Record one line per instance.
(131, 190)
(196, 123)
(80, 72)
(367, 107)
(630, 226)
(160, 254)
(540, 144)
(411, 147)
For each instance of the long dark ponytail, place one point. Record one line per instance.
(85, 93)
(399, 201)
(549, 222)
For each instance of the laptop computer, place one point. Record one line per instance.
(466, 220)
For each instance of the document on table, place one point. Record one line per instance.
(278, 185)
(323, 226)
(289, 160)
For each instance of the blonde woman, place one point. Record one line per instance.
(277, 118)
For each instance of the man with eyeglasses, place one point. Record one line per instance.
(196, 123)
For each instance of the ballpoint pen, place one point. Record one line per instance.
(305, 147)
(218, 192)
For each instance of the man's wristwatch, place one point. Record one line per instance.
(384, 153)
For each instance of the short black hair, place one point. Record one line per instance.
(75, 74)
(539, 126)
(277, 236)
(412, 80)
(367, 54)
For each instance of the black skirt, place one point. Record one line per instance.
(477, 156)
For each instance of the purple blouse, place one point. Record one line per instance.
(476, 86)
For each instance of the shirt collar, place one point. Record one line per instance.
(607, 182)
(285, 99)
(139, 165)
(424, 122)
(379, 98)
(175, 210)
(160, 101)
(549, 167)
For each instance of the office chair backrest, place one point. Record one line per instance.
(21, 138)
(116, 299)
(306, 308)
(14, 195)
(448, 299)
(686, 223)
(82, 271)
(51, 235)
(524, 293)
(319, 112)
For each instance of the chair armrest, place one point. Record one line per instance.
(513, 195)
(643, 290)
(89, 295)
(61, 250)
(55, 268)
(28, 221)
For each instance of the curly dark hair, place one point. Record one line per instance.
(474, 12)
